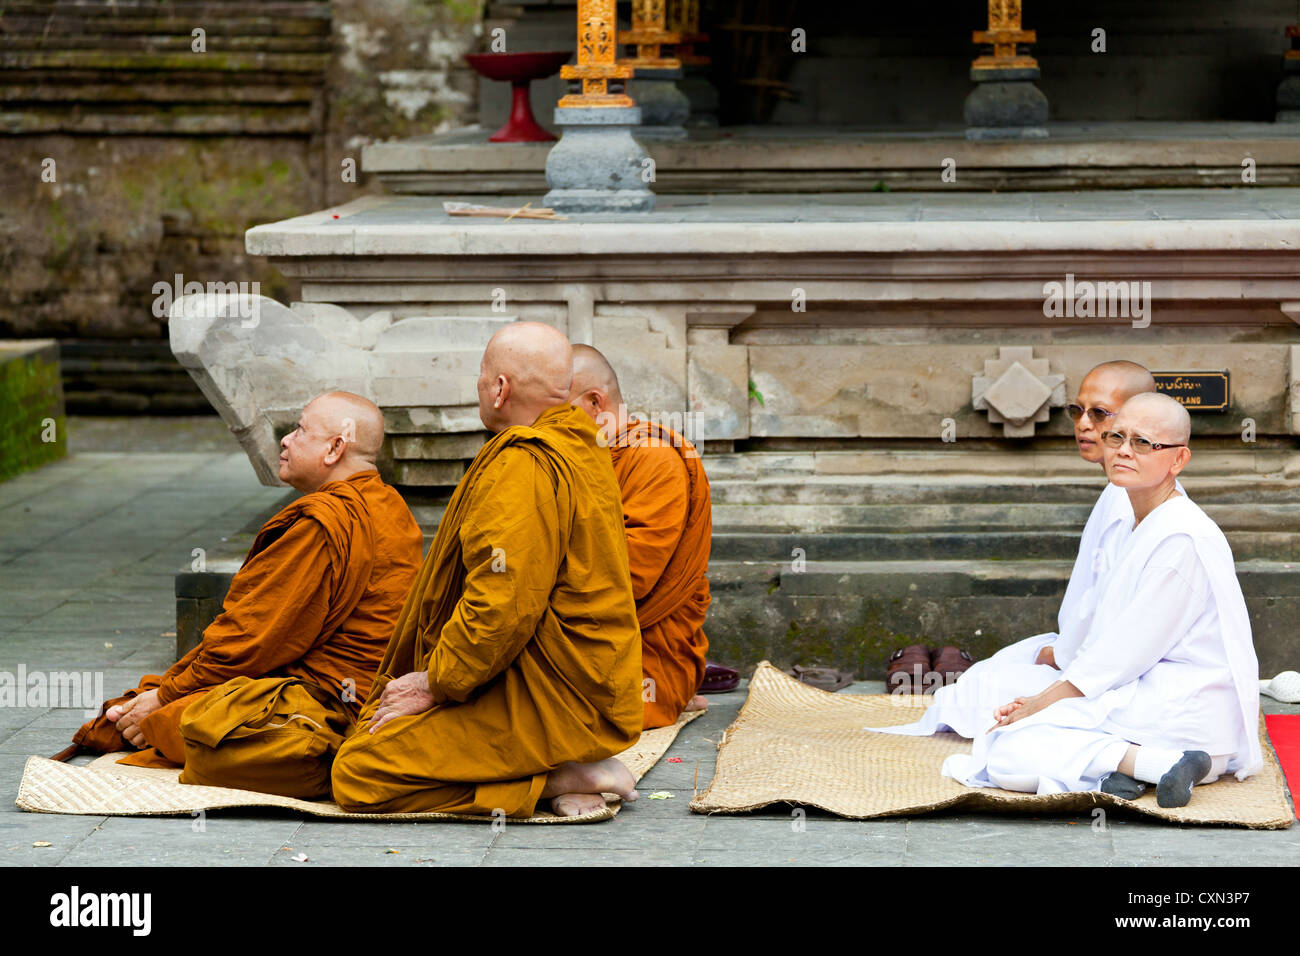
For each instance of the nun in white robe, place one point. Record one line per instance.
(1168, 662)
(1013, 672)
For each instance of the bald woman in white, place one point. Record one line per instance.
(1163, 689)
(1028, 666)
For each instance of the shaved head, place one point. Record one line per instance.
(356, 419)
(1102, 393)
(527, 368)
(1165, 417)
(595, 390)
(1148, 475)
(339, 434)
(1122, 378)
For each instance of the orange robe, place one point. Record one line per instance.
(523, 621)
(315, 600)
(669, 521)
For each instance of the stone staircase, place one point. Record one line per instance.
(837, 557)
(839, 568)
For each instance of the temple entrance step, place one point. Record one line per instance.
(920, 490)
(931, 545)
(851, 614)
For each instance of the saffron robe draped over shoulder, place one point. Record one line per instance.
(315, 600)
(523, 621)
(669, 521)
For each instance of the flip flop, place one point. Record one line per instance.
(719, 679)
(823, 678)
(1284, 687)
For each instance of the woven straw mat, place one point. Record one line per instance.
(106, 788)
(795, 744)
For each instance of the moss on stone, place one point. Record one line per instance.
(30, 409)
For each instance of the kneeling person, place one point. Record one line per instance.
(669, 523)
(1164, 687)
(514, 674)
(270, 691)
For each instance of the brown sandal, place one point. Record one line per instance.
(906, 670)
(949, 663)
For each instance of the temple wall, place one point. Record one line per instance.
(130, 156)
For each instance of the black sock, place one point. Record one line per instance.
(1175, 787)
(1122, 785)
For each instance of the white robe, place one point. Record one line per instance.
(967, 706)
(1168, 661)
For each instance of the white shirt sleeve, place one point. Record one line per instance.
(1171, 594)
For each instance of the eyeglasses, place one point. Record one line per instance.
(1096, 413)
(1140, 445)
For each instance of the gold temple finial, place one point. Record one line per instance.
(648, 34)
(597, 59)
(684, 20)
(1005, 36)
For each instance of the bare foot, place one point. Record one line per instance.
(576, 804)
(697, 703)
(581, 784)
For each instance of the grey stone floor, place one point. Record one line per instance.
(88, 547)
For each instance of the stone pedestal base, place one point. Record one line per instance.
(1005, 104)
(1288, 93)
(702, 96)
(597, 166)
(664, 108)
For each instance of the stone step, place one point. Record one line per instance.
(1014, 546)
(916, 490)
(984, 464)
(851, 614)
(976, 517)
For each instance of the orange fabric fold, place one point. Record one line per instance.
(523, 621)
(669, 522)
(315, 599)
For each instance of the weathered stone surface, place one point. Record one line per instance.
(1005, 108)
(260, 362)
(438, 447)
(718, 379)
(651, 372)
(1293, 405)
(597, 166)
(1017, 390)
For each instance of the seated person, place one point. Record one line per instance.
(668, 519)
(302, 628)
(1163, 689)
(1029, 665)
(514, 674)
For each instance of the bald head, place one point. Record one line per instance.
(526, 369)
(1102, 393)
(595, 385)
(1121, 379)
(1165, 419)
(356, 419)
(339, 434)
(1138, 467)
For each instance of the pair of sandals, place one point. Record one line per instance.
(916, 669)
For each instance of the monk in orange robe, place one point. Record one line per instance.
(669, 524)
(514, 675)
(304, 624)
